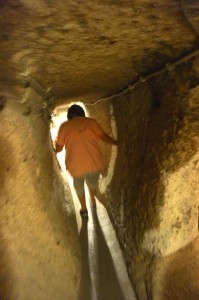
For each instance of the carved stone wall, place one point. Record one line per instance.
(153, 197)
(40, 256)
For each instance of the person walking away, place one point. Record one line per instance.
(80, 136)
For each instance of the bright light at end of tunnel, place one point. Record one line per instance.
(58, 117)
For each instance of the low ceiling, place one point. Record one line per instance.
(92, 48)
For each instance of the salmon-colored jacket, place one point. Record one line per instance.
(81, 136)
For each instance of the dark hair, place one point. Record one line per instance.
(75, 111)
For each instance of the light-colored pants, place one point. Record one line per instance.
(91, 180)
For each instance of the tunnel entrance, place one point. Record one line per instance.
(59, 116)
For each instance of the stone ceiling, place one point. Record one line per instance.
(92, 48)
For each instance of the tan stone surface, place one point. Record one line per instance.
(92, 47)
(177, 276)
(40, 256)
(153, 198)
(84, 50)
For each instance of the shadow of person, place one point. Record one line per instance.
(108, 286)
(85, 281)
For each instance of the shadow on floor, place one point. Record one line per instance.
(85, 284)
(98, 279)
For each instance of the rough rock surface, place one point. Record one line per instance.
(39, 246)
(53, 52)
(92, 47)
(156, 208)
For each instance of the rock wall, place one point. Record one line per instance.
(40, 256)
(153, 197)
(101, 113)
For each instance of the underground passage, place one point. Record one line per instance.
(133, 67)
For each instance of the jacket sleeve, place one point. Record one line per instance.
(103, 135)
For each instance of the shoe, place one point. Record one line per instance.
(84, 213)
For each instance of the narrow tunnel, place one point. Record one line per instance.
(134, 66)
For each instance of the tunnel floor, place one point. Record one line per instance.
(104, 275)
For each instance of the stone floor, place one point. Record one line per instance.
(104, 275)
